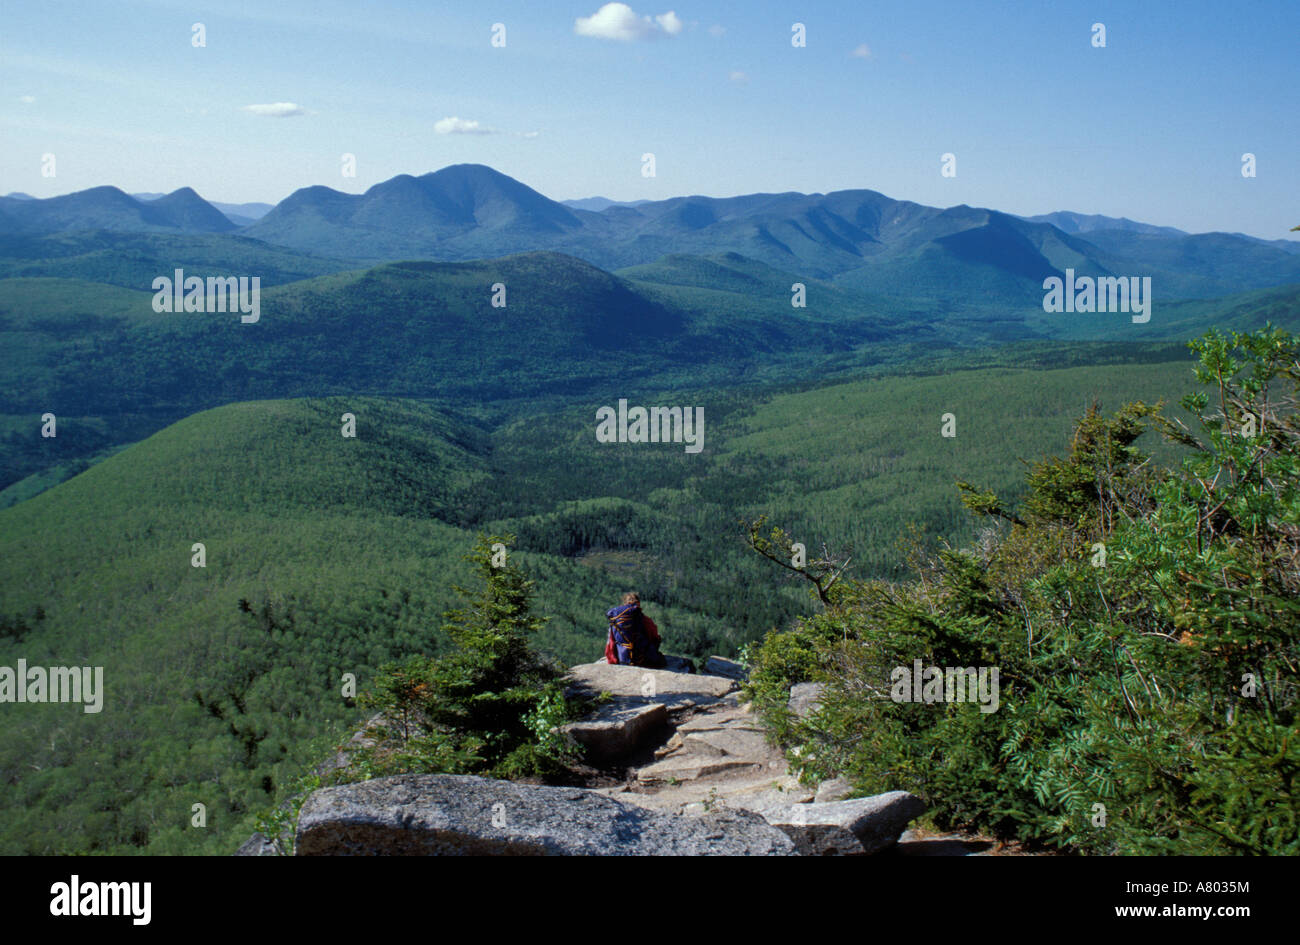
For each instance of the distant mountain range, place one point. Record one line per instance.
(597, 204)
(240, 214)
(107, 208)
(858, 239)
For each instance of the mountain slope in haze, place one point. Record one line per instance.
(416, 329)
(1070, 222)
(859, 238)
(466, 210)
(597, 204)
(731, 295)
(1102, 230)
(568, 329)
(241, 214)
(108, 208)
(134, 259)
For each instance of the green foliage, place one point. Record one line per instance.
(488, 706)
(346, 552)
(278, 824)
(1147, 698)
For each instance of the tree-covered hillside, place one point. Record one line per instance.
(328, 555)
(1138, 620)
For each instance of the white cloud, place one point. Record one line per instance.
(468, 126)
(27, 99)
(716, 30)
(461, 126)
(863, 51)
(669, 23)
(276, 110)
(619, 21)
(737, 76)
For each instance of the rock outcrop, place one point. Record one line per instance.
(678, 664)
(698, 778)
(847, 828)
(458, 815)
(806, 698)
(615, 731)
(836, 789)
(717, 666)
(673, 690)
(639, 705)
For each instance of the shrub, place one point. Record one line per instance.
(491, 706)
(1145, 624)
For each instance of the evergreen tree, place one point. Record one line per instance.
(490, 706)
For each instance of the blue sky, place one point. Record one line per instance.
(1151, 127)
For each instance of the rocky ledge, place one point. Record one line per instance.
(698, 779)
(457, 815)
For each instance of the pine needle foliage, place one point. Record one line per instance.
(1145, 623)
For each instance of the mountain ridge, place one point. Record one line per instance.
(860, 239)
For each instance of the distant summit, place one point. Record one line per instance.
(1088, 222)
(108, 208)
(240, 214)
(469, 209)
(597, 204)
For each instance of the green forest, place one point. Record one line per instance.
(1143, 617)
(328, 555)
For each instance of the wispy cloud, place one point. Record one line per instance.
(861, 51)
(738, 77)
(467, 126)
(461, 126)
(27, 99)
(619, 21)
(276, 110)
(716, 30)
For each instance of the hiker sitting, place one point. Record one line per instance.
(633, 637)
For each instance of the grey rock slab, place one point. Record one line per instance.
(754, 792)
(805, 698)
(258, 845)
(692, 768)
(678, 664)
(853, 827)
(673, 744)
(734, 742)
(718, 666)
(617, 729)
(674, 664)
(719, 721)
(697, 750)
(457, 815)
(674, 690)
(836, 789)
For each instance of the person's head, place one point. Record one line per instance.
(631, 597)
